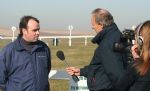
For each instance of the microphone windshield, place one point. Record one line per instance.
(60, 55)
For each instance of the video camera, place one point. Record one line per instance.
(125, 43)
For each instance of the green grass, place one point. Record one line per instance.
(77, 55)
(4, 42)
(59, 85)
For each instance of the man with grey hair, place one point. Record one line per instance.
(106, 65)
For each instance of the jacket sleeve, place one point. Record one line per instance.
(49, 58)
(84, 71)
(2, 70)
(91, 68)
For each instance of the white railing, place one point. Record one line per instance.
(57, 37)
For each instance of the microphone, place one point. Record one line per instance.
(61, 56)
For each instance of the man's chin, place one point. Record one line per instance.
(34, 40)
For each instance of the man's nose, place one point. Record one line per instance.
(38, 32)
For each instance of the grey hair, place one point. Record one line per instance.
(103, 17)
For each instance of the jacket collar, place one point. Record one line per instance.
(99, 37)
(19, 45)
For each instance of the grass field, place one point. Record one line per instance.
(77, 55)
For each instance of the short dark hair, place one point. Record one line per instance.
(24, 22)
(103, 16)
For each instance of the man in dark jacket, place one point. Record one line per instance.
(26, 62)
(106, 65)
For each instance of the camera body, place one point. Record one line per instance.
(125, 44)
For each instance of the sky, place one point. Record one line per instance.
(56, 15)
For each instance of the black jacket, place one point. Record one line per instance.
(106, 65)
(132, 81)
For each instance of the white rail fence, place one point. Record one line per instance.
(57, 37)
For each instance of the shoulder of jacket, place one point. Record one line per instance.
(9, 46)
(43, 44)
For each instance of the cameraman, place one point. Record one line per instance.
(137, 77)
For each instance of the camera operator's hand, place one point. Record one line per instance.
(135, 52)
(73, 71)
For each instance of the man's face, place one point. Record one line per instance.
(31, 34)
(95, 26)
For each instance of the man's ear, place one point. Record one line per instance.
(24, 30)
(101, 25)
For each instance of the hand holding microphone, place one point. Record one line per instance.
(73, 71)
(61, 56)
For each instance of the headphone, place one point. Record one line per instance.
(139, 37)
